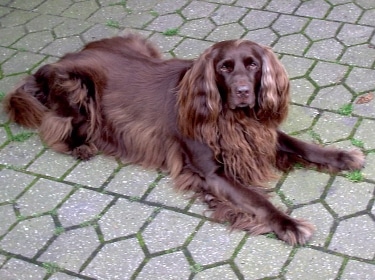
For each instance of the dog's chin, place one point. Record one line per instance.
(241, 105)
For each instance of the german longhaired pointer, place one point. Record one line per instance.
(212, 123)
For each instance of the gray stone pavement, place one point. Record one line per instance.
(65, 219)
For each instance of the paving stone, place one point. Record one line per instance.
(301, 90)
(132, 181)
(332, 98)
(61, 46)
(292, 44)
(366, 134)
(34, 200)
(21, 153)
(348, 12)
(263, 36)
(136, 19)
(18, 269)
(54, 7)
(82, 206)
(369, 167)
(106, 14)
(43, 22)
(228, 14)
(283, 6)
(287, 24)
(361, 79)
(7, 218)
(198, 28)
(169, 6)
(165, 43)
(328, 49)
(296, 66)
(313, 8)
(351, 34)
(358, 270)
(11, 35)
(262, 257)
(321, 29)
(258, 19)
(61, 276)
(98, 32)
(25, 5)
(28, 236)
(93, 173)
(53, 164)
(71, 27)
(303, 186)
(346, 197)
(354, 237)
(366, 4)
(170, 266)
(191, 48)
(326, 73)
(320, 218)
(34, 42)
(168, 230)
(361, 55)
(17, 17)
(214, 243)
(166, 22)
(252, 4)
(12, 184)
(308, 262)
(21, 62)
(368, 18)
(81, 10)
(333, 127)
(217, 272)
(198, 9)
(299, 118)
(124, 218)
(165, 194)
(71, 248)
(227, 32)
(141, 5)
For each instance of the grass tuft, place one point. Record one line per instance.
(355, 176)
(171, 32)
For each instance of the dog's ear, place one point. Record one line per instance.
(274, 97)
(199, 99)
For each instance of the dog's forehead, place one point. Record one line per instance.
(237, 47)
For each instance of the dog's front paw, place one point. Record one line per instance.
(352, 160)
(293, 231)
(84, 152)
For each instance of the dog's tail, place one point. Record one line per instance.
(24, 105)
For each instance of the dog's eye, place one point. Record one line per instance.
(250, 64)
(227, 67)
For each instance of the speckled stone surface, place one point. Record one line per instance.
(62, 219)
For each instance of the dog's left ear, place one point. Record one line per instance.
(199, 101)
(274, 92)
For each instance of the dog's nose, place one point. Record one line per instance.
(243, 90)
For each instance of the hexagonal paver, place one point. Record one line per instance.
(81, 10)
(166, 43)
(17, 17)
(93, 173)
(292, 44)
(303, 186)
(43, 22)
(217, 272)
(213, 243)
(308, 262)
(351, 34)
(258, 19)
(328, 49)
(168, 230)
(198, 9)
(132, 181)
(82, 206)
(169, 6)
(141, 5)
(284, 6)
(11, 35)
(296, 66)
(326, 73)
(227, 14)
(7, 218)
(198, 28)
(364, 109)
(287, 24)
(54, 7)
(71, 248)
(332, 127)
(29, 236)
(170, 266)
(266, 254)
(252, 4)
(346, 198)
(354, 237)
(116, 260)
(299, 118)
(361, 79)
(71, 27)
(34, 42)
(61, 46)
(320, 218)
(13, 183)
(358, 270)
(104, 15)
(21, 62)
(227, 32)
(321, 29)
(301, 90)
(34, 200)
(361, 55)
(124, 218)
(313, 8)
(346, 12)
(264, 36)
(191, 48)
(368, 18)
(366, 134)
(166, 22)
(332, 98)
(18, 269)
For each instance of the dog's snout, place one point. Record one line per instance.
(243, 90)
